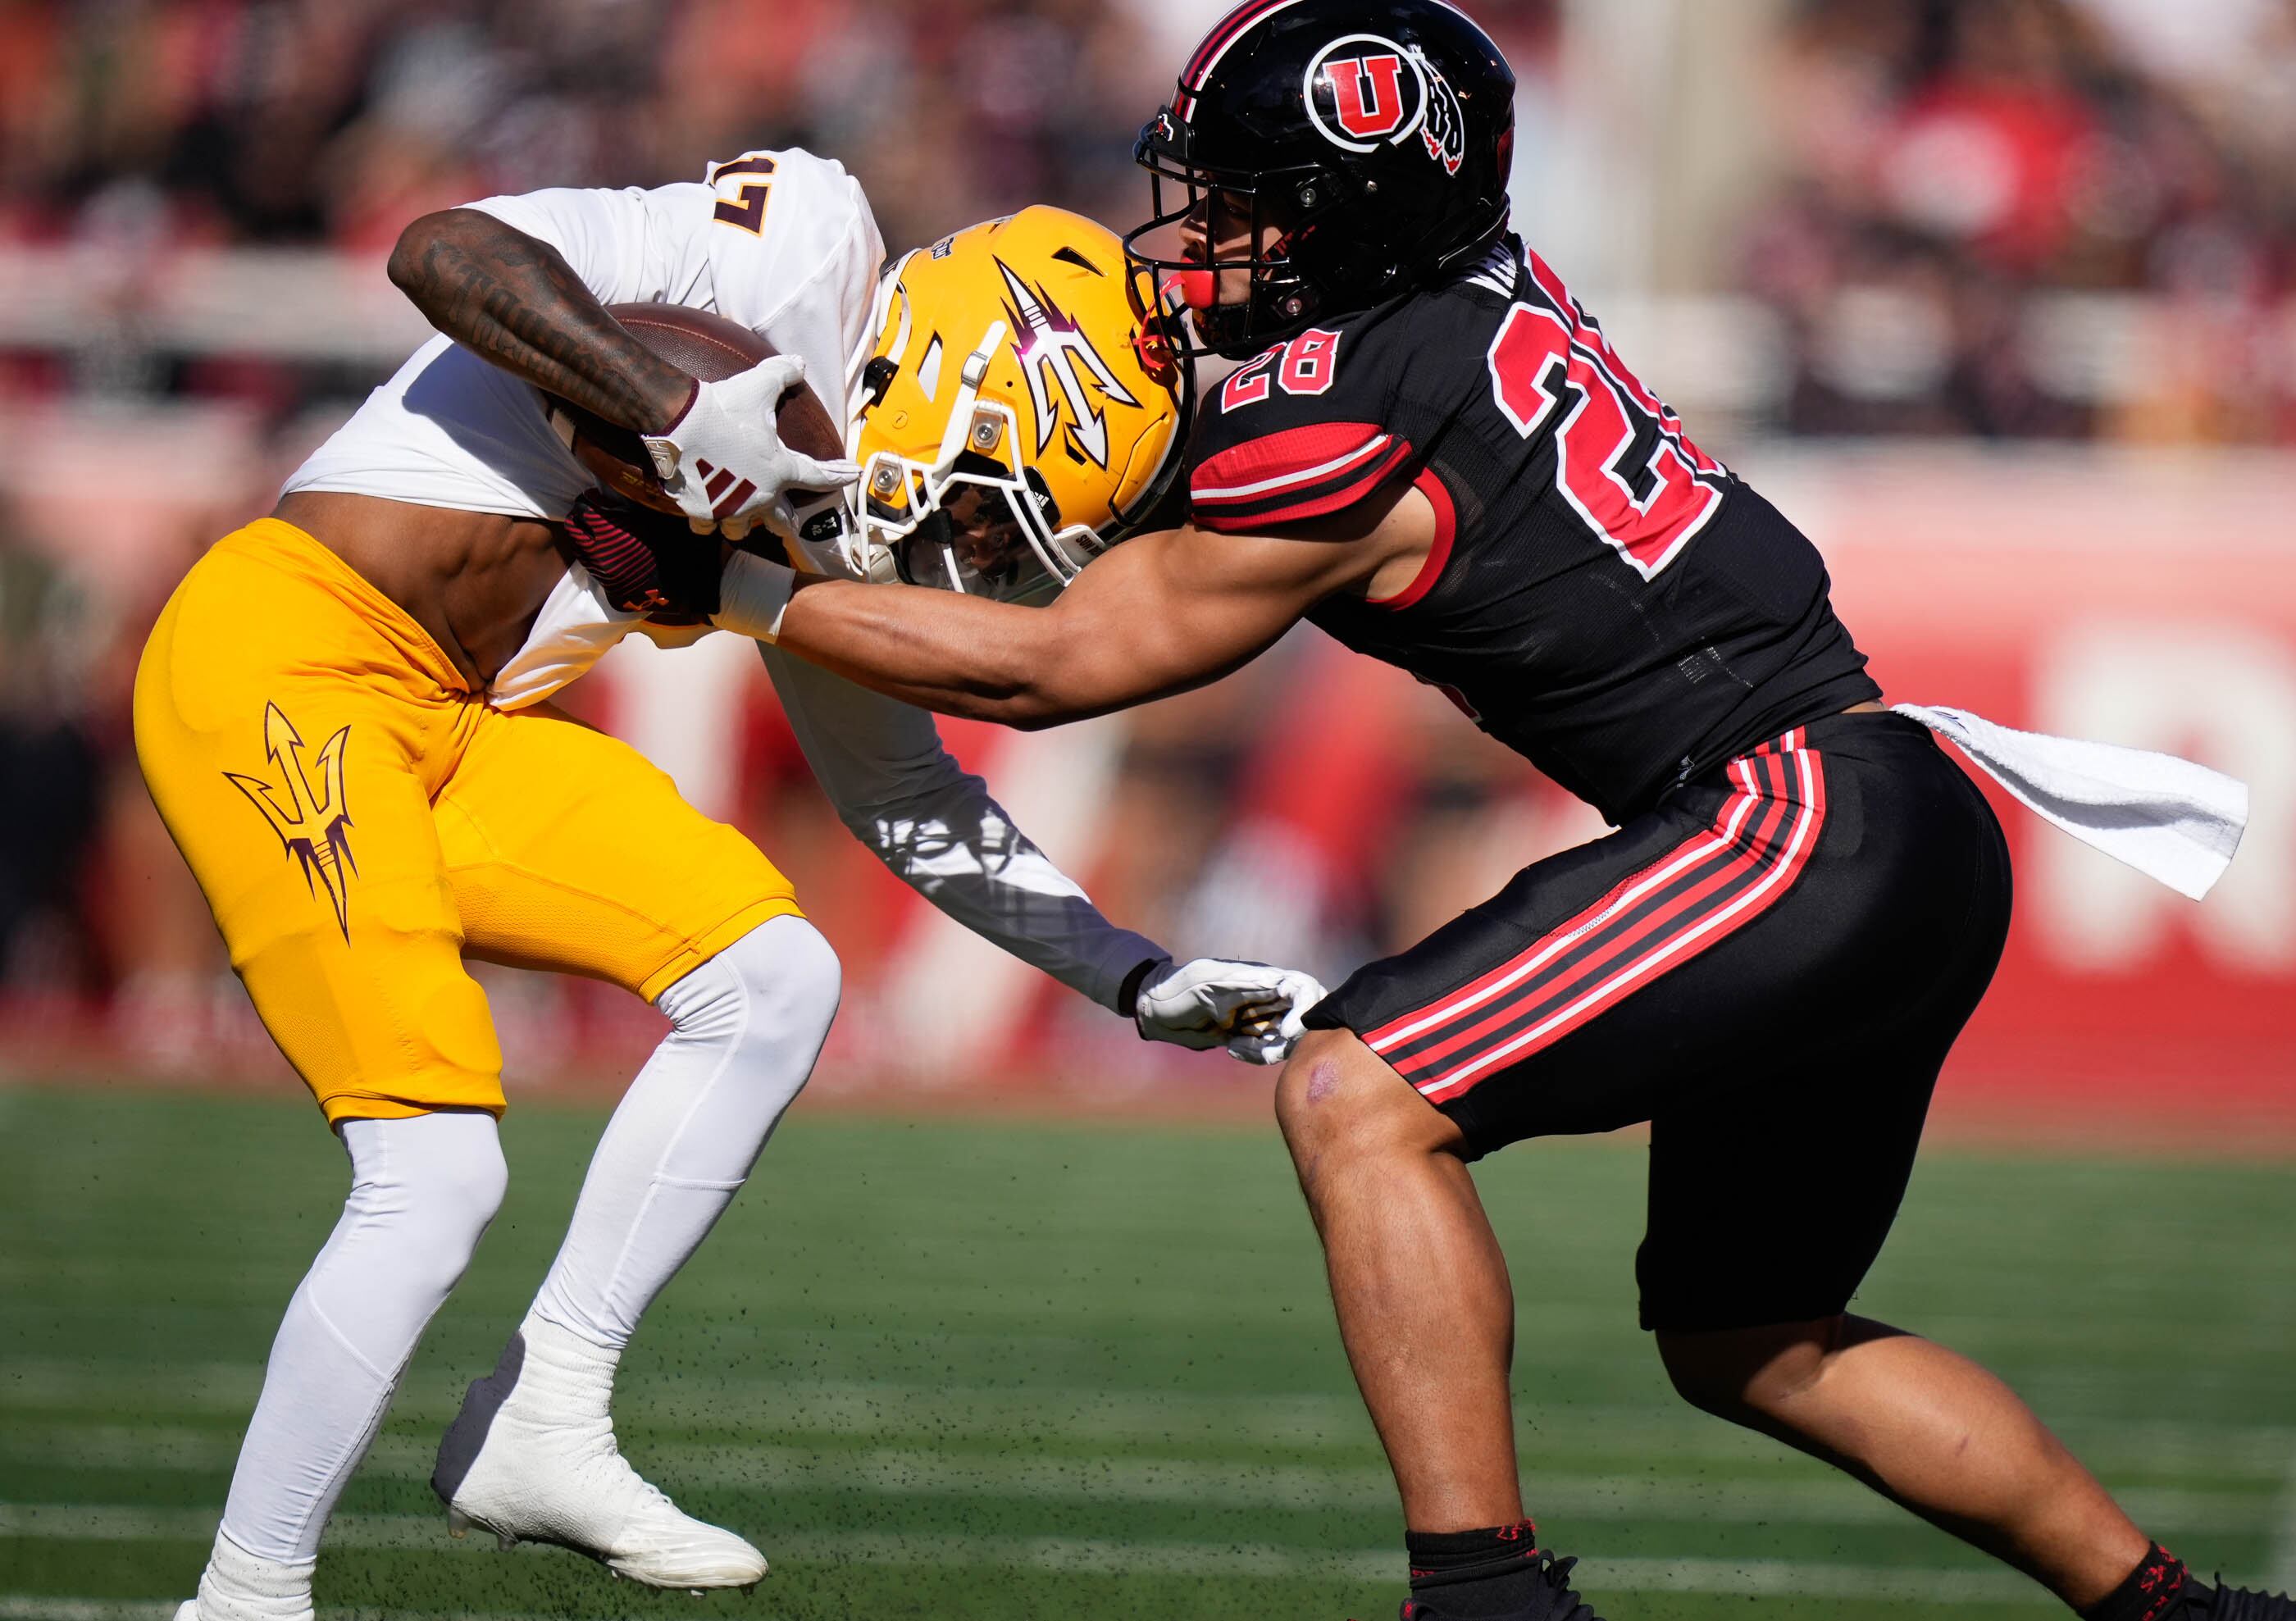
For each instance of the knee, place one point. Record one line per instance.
(793, 975)
(462, 1184)
(768, 999)
(1742, 1373)
(1338, 1098)
(429, 1186)
(1699, 1376)
(1307, 1083)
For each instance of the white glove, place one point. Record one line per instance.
(723, 458)
(1253, 1009)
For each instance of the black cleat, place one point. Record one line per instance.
(2223, 1603)
(1555, 1601)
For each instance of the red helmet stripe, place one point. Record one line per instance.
(1217, 44)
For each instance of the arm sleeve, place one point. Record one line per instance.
(882, 763)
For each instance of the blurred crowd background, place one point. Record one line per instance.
(1954, 270)
(1970, 183)
(1952, 190)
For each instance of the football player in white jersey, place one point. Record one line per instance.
(413, 601)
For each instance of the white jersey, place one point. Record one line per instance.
(784, 243)
(790, 252)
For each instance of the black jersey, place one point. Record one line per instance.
(1603, 596)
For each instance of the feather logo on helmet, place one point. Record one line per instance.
(1444, 131)
(1051, 344)
(1364, 89)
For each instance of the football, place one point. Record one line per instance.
(712, 348)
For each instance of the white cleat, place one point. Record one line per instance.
(531, 1457)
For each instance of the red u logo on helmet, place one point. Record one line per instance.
(1363, 90)
(1367, 94)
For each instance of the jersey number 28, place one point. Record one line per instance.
(1621, 458)
(1302, 366)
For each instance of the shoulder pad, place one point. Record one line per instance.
(1295, 433)
(1292, 475)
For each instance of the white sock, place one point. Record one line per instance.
(238, 1587)
(560, 1372)
(749, 1023)
(422, 1190)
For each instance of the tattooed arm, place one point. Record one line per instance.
(513, 299)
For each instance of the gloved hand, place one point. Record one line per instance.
(646, 562)
(1253, 1009)
(724, 457)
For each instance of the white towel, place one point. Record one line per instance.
(2169, 818)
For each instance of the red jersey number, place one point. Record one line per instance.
(1553, 373)
(1301, 366)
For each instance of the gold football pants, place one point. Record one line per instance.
(361, 823)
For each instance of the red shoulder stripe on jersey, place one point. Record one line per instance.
(1315, 500)
(1262, 469)
(1446, 522)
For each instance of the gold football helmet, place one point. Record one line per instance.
(1016, 415)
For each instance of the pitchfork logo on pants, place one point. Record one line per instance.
(1363, 89)
(314, 823)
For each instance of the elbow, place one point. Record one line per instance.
(1031, 712)
(409, 257)
(1018, 706)
(405, 266)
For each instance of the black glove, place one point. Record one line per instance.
(646, 562)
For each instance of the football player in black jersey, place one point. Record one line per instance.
(1433, 452)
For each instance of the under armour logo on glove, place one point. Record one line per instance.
(644, 562)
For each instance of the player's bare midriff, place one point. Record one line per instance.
(474, 580)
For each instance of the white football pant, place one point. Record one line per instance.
(747, 1026)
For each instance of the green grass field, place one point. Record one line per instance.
(972, 1367)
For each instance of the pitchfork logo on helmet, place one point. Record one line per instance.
(1052, 347)
(1015, 411)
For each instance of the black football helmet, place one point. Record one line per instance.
(1374, 136)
